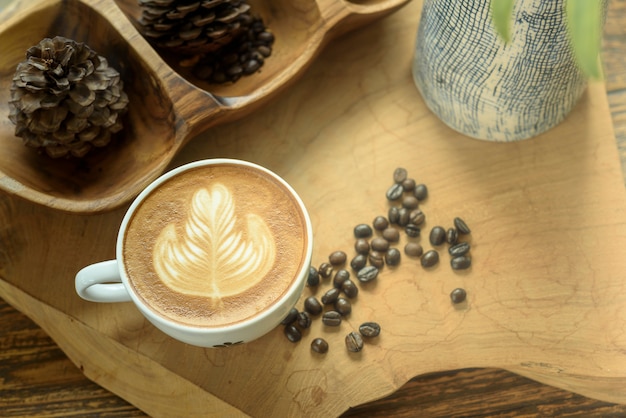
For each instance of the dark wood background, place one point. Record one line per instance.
(37, 379)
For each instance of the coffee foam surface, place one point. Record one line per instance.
(215, 245)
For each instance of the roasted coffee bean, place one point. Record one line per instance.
(358, 262)
(391, 234)
(395, 192)
(291, 317)
(461, 226)
(377, 259)
(452, 236)
(251, 66)
(313, 306)
(367, 274)
(413, 249)
(319, 345)
(331, 318)
(410, 202)
(369, 329)
(379, 244)
(420, 192)
(325, 270)
(304, 320)
(363, 231)
(264, 50)
(392, 257)
(380, 223)
(429, 258)
(343, 306)
(437, 235)
(337, 258)
(403, 216)
(417, 217)
(458, 295)
(314, 277)
(362, 246)
(393, 215)
(330, 296)
(340, 277)
(354, 342)
(412, 230)
(350, 289)
(292, 333)
(461, 263)
(265, 37)
(408, 185)
(459, 249)
(399, 175)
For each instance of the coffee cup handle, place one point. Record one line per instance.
(101, 282)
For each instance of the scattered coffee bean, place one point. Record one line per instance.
(369, 329)
(420, 192)
(362, 246)
(412, 230)
(325, 270)
(350, 289)
(358, 262)
(304, 320)
(377, 259)
(393, 215)
(291, 317)
(363, 231)
(380, 223)
(413, 249)
(330, 296)
(408, 185)
(399, 175)
(331, 318)
(337, 258)
(461, 263)
(379, 244)
(343, 306)
(395, 192)
(429, 258)
(391, 234)
(452, 236)
(417, 217)
(319, 345)
(410, 202)
(313, 306)
(458, 295)
(340, 277)
(367, 274)
(403, 216)
(459, 249)
(354, 342)
(314, 277)
(461, 226)
(437, 235)
(292, 333)
(392, 257)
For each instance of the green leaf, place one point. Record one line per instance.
(501, 11)
(584, 18)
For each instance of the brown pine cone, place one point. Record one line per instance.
(65, 99)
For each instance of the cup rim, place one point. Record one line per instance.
(296, 284)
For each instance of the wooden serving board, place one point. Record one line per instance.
(546, 291)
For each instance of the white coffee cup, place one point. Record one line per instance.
(251, 262)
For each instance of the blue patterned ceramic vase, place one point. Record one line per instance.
(485, 89)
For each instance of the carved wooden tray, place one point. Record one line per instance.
(168, 105)
(546, 291)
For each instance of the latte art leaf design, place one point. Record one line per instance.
(217, 254)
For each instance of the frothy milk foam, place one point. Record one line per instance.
(215, 245)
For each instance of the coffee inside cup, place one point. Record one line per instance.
(215, 245)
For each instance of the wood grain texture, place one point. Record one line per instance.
(463, 392)
(168, 105)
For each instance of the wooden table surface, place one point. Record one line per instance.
(36, 379)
